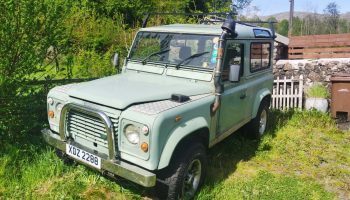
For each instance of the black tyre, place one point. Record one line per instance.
(65, 159)
(256, 128)
(186, 173)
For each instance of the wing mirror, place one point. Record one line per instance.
(115, 60)
(234, 73)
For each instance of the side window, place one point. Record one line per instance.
(260, 56)
(233, 56)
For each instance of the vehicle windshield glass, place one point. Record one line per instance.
(184, 50)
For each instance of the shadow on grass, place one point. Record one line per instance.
(225, 156)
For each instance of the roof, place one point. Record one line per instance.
(282, 39)
(244, 31)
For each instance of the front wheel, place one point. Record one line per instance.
(256, 127)
(186, 173)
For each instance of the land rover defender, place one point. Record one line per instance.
(182, 89)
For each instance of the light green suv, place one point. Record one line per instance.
(183, 88)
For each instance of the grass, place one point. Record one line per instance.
(303, 156)
(318, 91)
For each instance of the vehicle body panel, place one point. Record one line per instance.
(121, 91)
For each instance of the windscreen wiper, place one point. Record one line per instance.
(191, 57)
(144, 61)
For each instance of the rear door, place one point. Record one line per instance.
(259, 75)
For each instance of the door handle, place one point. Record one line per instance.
(243, 96)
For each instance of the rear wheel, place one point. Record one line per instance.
(186, 173)
(256, 128)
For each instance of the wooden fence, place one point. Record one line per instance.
(287, 93)
(319, 46)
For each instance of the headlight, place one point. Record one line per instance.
(132, 133)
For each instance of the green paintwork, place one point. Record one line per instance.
(140, 95)
(120, 91)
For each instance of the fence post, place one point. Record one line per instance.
(301, 82)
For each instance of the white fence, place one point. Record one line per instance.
(287, 93)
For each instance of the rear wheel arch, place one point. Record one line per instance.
(262, 96)
(258, 125)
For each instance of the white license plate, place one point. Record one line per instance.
(83, 156)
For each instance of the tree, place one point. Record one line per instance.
(225, 5)
(297, 26)
(28, 29)
(332, 16)
(282, 27)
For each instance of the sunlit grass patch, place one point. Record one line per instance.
(40, 174)
(306, 147)
(265, 185)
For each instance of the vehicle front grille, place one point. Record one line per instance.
(90, 128)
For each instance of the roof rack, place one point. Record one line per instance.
(148, 15)
(216, 19)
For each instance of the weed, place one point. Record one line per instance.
(317, 91)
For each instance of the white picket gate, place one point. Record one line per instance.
(287, 93)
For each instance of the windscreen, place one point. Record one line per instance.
(180, 50)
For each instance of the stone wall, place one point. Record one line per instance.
(314, 71)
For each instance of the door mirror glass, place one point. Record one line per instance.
(234, 73)
(115, 60)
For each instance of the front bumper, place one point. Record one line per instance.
(119, 168)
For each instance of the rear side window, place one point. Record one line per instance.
(261, 33)
(260, 54)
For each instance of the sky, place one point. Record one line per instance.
(268, 7)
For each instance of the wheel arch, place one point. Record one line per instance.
(195, 130)
(262, 95)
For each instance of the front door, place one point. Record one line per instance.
(234, 105)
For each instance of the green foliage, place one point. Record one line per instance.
(88, 64)
(28, 29)
(318, 91)
(282, 27)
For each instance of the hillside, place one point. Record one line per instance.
(285, 15)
